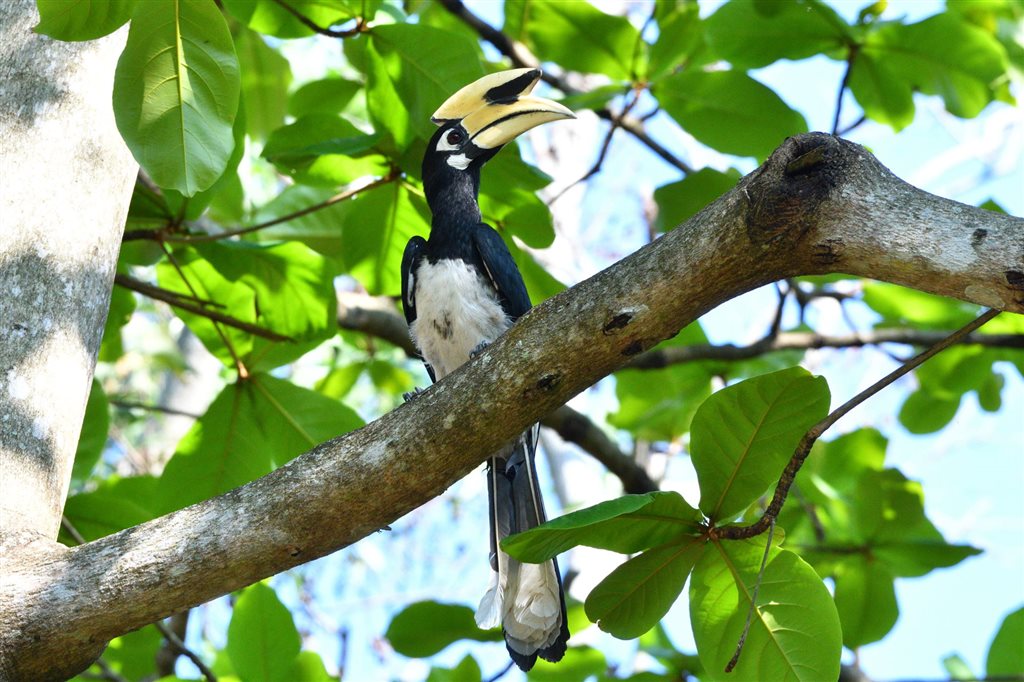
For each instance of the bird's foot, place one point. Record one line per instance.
(480, 348)
(415, 392)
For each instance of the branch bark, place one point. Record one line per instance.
(818, 205)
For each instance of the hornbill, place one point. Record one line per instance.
(461, 289)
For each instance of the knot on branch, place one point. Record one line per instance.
(786, 194)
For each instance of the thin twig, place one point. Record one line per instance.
(753, 601)
(360, 26)
(65, 522)
(175, 641)
(108, 672)
(500, 674)
(842, 87)
(129, 405)
(176, 300)
(815, 432)
(855, 124)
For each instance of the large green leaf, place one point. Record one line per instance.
(578, 36)
(253, 426)
(1005, 654)
(942, 55)
(865, 599)
(509, 201)
(308, 667)
(743, 435)
(880, 91)
(747, 36)
(265, 78)
(82, 19)
(93, 437)
(115, 504)
(794, 633)
(888, 511)
(662, 409)
(425, 628)
(326, 96)
(262, 640)
(580, 663)
(176, 93)
(376, 229)
(317, 148)
(680, 34)
(679, 201)
(904, 306)
(413, 69)
(628, 524)
(636, 595)
(729, 111)
(468, 670)
(284, 288)
(133, 656)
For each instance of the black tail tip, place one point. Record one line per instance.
(551, 654)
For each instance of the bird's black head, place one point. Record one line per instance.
(475, 123)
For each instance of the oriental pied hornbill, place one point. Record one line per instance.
(461, 290)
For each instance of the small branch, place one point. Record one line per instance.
(167, 655)
(664, 357)
(130, 405)
(753, 601)
(175, 642)
(376, 316)
(804, 448)
(234, 232)
(108, 672)
(360, 26)
(852, 126)
(176, 300)
(501, 673)
(576, 428)
(842, 87)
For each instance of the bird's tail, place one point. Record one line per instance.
(525, 599)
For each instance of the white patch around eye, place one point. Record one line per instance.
(443, 145)
(460, 161)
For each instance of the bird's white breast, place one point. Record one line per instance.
(456, 310)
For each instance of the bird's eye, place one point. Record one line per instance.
(454, 137)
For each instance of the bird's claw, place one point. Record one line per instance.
(415, 392)
(480, 348)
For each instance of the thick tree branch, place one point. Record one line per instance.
(818, 205)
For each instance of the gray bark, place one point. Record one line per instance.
(818, 205)
(67, 180)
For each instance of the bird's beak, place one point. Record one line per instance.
(497, 108)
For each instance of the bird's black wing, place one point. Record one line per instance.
(502, 271)
(414, 251)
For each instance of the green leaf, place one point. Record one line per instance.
(956, 667)
(638, 594)
(900, 306)
(509, 201)
(82, 19)
(942, 55)
(133, 656)
(315, 138)
(412, 70)
(122, 306)
(744, 35)
(680, 34)
(888, 511)
(468, 670)
(1005, 654)
(176, 92)
(283, 288)
(425, 628)
(252, 427)
(308, 667)
(794, 633)
(93, 436)
(377, 226)
(729, 111)
(743, 435)
(262, 640)
(866, 601)
(325, 96)
(628, 524)
(880, 91)
(265, 79)
(271, 18)
(580, 663)
(580, 37)
(927, 412)
(679, 201)
(663, 409)
(116, 504)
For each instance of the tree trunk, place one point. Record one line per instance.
(67, 180)
(818, 205)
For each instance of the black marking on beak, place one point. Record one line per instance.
(509, 92)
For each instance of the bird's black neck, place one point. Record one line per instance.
(452, 196)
